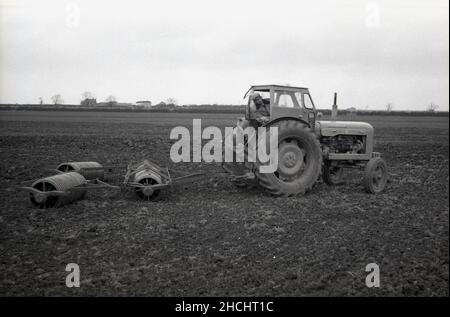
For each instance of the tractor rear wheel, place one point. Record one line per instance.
(299, 160)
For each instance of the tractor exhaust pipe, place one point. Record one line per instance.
(334, 109)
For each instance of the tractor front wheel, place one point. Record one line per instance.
(375, 175)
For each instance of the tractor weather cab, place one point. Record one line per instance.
(307, 147)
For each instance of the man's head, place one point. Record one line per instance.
(255, 95)
(256, 99)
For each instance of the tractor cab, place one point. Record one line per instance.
(280, 102)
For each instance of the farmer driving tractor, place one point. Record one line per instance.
(259, 109)
(258, 115)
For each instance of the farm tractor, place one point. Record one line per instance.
(307, 147)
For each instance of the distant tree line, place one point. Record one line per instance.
(212, 109)
(89, 103)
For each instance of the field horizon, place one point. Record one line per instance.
(208, 108)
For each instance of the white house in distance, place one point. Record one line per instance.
(143, 104)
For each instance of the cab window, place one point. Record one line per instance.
(285, 100)
(308, 101)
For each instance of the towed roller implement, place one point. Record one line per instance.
(147, 178)
(62, 189)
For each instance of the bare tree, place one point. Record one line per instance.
(88, 99)
(389, 106)
(432, 107)
(57, 99)
(87, 95)
(111, 99)
(171, 101)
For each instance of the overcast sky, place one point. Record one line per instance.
(205, 51)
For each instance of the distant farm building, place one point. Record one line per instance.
(143, 104)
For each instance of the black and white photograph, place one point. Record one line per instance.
(225, 155)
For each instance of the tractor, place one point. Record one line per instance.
(307, 146)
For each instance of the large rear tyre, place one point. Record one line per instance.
(375, 175)
(299, 160)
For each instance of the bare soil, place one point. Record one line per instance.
(208, 238)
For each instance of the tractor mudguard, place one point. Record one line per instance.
(267, 124)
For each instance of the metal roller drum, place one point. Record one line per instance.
(61, 183)
(90, 170)
(147, 177)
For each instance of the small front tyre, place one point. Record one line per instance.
(375, 175)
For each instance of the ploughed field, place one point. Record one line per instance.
(209, 238)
